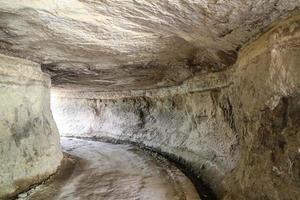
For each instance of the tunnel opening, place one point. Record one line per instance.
(149, 100)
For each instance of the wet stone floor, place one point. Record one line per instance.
(95, 170)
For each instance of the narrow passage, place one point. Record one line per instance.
(97, 170)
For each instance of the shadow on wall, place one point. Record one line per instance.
(243, 140)
(178, 125)
(267, 90)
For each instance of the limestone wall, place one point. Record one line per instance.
(29, 140)
(240, 132)
(190, 126)
(265, 98)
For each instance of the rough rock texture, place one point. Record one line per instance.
(189, 126)
(234, 118)
(114, 172)
(29, 140)
(265, 99)
(132, 44)
(240, 132)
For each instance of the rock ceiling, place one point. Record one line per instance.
(132, 44)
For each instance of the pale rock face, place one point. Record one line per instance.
(140, 44)
(29, 140)
(239, 131)
(177, 124)
(164, 74)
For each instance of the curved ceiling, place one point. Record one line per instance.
(108, 45)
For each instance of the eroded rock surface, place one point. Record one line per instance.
(29, 140)
(164, 74)
(140, 44)
(240, 132)
(266, 106)
(115, 172)
(176, 124)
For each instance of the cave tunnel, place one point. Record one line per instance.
(150, 100)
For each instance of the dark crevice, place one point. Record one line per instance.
(228, 113)
(285, 116)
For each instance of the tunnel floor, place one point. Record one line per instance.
(95, 170)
